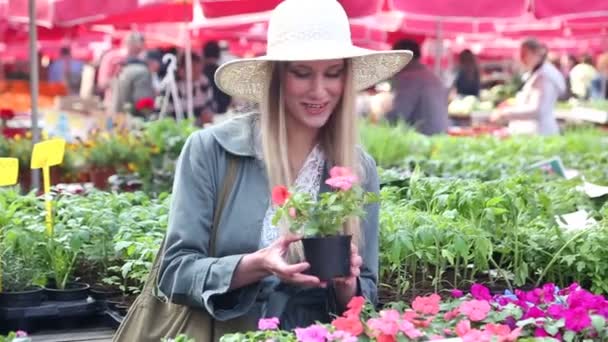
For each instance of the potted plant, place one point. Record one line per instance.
(321, 221)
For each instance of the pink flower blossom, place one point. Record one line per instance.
(463, 327)
(475, 310)
(20, 333)
(541, 332)
(409, 329)
(502, 332)
(581, 298)
(427, 305)
(456, 293)
(475, 335)
(268, 323)
(450, 315)
(383, 326)
(548, 294)
(480, 292)
(341, 336)
(577, 319)
(314, 333)
(341, 178)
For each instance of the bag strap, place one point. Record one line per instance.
(227, 185)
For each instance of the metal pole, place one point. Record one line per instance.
(189, 100)
(438, 47)
(34, 85)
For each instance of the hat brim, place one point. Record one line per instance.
(246, 78)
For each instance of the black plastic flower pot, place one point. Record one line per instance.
(72, 291)
(29, 297)
(103, 293)
(329, 257)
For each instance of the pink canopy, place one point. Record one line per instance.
(152, 11)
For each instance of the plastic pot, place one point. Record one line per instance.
(72, 291)
(29, 297)
(329, 257)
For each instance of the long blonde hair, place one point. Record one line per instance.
(338, 139)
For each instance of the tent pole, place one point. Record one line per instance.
(34, 84)
(438, 46)
(190, 107)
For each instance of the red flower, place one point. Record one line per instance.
(280, 195)
(6, 114)
(146, 103)
(350, 324)
(355, 306)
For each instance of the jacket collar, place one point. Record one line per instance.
(237, 135)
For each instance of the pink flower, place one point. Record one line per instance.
(292, 212)
(476, 336)
(428, 305)
(341, 336)
(436, 338)
(581, 298)
(268, 323)
(20, 333)
(541, 332)
(502, 331)
(475, 310)
(548, 294)
(480, 292)
(314, 333)
(280, 195)
(456, 293)
(350, 324)
(463, 327)
(383, 326)
(577, 319)
(409, 329)
(341, 178)
(450, 315)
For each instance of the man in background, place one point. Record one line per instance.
(66, 70)
(211, 55)
(421, 99)
(134, 79)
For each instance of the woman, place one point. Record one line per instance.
(306, 88)
(467, 80)
(533, 110)
(202, 91)
(599, 85)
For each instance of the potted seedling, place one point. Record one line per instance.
(321, 221)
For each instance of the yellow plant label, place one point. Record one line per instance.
(9, 171)
(48, 153)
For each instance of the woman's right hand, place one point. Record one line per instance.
(273, 261)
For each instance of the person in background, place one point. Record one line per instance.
(533, 111)
(211, 55)
(66, 70)
(468, 81)
(599, 85)
(421, 99)
(202, 93)
(581, 76)
(134, 81)
(154, 61)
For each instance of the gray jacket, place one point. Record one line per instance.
(134, 83)
(191, 277)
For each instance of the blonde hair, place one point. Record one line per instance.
(338, 139)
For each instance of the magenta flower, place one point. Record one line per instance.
(314, 333)
(456, 293)
(480, 292)
(548, 295)
(556, 311)
(577, 319)
(341, 178)
(534, 312)
(268, 323)
(581, 298)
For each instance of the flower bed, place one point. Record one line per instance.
(569, 314)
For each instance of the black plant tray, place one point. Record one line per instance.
(50, 315)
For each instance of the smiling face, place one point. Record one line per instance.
(312, 90)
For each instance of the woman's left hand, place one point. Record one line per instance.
(346, 287)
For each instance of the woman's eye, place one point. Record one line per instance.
(300, 74)
(334, 74)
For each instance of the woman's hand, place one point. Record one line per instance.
(273, 261)
(346, 287)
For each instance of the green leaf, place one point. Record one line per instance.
(569, 336)
(598, 322)
(551, 328)
(493, 201)
(526, 322)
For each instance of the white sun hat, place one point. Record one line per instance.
(308, 30)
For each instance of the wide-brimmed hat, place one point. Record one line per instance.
(308, 30)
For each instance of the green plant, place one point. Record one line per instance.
(326, 215)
